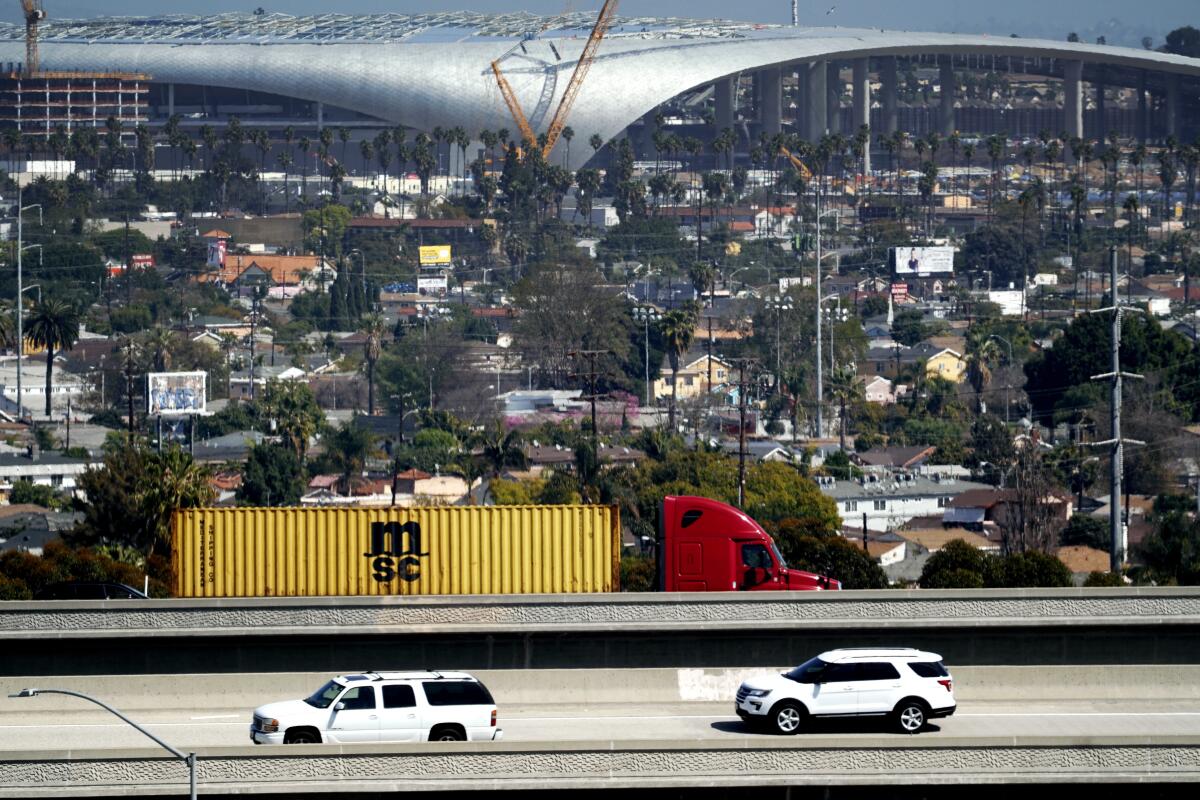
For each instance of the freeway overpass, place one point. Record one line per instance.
(607, 692)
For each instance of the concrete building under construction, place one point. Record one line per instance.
(38, 104)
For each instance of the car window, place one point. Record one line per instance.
(323, 697)
(358, 698)
(756, 556)
(838, 673)
(119, 592)
(877, 671)
(928, 669)
(399, 696)
(90, 591)
(808, 672)
(456, 693)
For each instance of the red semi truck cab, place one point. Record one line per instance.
(708, 546)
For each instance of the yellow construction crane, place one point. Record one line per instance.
(559, 121)
(800, 166)
(33, 15)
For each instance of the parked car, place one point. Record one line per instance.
(88, 590)
(908, 686)
(383, 707)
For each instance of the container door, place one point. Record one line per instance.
(358, 718)
(399, 719)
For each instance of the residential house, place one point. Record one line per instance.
(1082, 561)
(878, 389)
(885, 459)
(42, 469)
(932, 538)
(282, 275)
(889, 501)
(698, 374)
(239, 382)
(29, 528)
(990, 510)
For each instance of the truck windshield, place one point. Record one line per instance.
(323, 697)
(808, 672)
(778, 555)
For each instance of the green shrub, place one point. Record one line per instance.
(638, 574)
(1104, 579)
(13, 589)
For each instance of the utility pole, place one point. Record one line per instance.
(817, 287)
(591, 355)
(1116, 525)
(128, 267)
(742, 364)
(129, 382)
(253, 330)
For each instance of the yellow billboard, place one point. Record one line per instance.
(435, 255)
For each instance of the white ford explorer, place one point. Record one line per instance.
(909, 686)
(383, 707)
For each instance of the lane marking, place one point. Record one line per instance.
(1086, 714)
(220, 716)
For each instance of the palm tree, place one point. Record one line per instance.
(348, 448)
(284, 160)
(568, 133)
(160, 343)
(596, 142)
(8, 333)
(305, 147)
(375, 328)
(980, 357)
(678, 328)
(54, 325)
(1131, 210)
(501, 449)
(172, 481)
(845, 389)
(343, 137)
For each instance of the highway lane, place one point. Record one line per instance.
(23, 728)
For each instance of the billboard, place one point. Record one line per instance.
(922, 261)
(176, 392)
(435, 255)
(427, 285)
(216, 254)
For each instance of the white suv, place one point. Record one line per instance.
(910, 686)
(383, 707)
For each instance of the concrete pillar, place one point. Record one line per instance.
(949, 89)
(320, 116)
(833, 97)
(725, 91)
(1073, 98)
(862, 105)
(890, 80)
(1143, 122)
(1174, 128)
(170, 100)
(815, 121)
(1101, 110)
(771, 80)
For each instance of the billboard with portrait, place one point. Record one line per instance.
(432, 285)
(921, 261)
(176, 393)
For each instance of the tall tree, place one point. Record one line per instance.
(374, 327)
(678, 328)
(54, 325)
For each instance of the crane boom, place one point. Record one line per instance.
(800, 166)
(514, 107)
(559, 121)
(33, 15)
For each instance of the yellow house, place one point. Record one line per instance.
(947, 364)
(693, 378)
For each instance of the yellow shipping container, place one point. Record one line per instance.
(297, 552)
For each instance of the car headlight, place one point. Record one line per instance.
(757, 692)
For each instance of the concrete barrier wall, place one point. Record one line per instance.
(984, 608)
(298, 770)
(586, 687)
(732, 630)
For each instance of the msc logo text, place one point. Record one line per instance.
(395, 551)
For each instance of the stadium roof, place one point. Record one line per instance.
(429, 70)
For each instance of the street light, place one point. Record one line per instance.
(20, 291)
(820, 380)
(647, 314)
(835, 317)
(188, 758)
(778, 304)
(1007, 400)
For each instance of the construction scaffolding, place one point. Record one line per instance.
(38, 104)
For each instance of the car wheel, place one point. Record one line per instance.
(911, 716)
(788, 717)
(447, 734)
(301, 737)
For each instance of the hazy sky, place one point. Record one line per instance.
(1116, 19)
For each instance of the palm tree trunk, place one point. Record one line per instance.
(49, 375)
(371, 389)
(674, 396)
